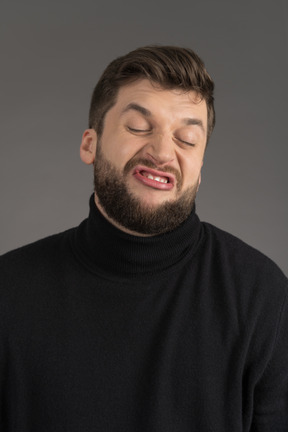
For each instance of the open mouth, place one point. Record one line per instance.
(154, 178)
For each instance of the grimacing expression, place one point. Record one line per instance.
(147, 163)
(127, 210)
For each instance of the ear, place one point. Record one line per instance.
(88, 146)
(199, 179)
(199, 182)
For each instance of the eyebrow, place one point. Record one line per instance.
(135, 107)
(194, 121)
(145, 112)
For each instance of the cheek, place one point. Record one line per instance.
(119, 149)
(190, 164)
(110, 144)
(192, 173)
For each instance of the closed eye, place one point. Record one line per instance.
(186, 142)
(138, 130)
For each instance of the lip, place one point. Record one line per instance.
(155, 173)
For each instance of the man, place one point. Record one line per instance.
(143, 318)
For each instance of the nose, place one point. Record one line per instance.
(161, 149)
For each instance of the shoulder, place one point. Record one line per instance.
(250, 288)
(35, 259)
(31, 280)
(42, 246)
(240, 259)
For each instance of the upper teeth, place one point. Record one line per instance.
(159, 179)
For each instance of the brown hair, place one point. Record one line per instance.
(170, 67)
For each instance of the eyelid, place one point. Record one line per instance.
(185, 142)
(138, 130)
(134, 130)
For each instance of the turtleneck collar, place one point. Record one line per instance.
(106, 249)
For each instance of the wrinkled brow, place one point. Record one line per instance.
(135, 107)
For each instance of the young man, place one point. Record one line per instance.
(143, 318)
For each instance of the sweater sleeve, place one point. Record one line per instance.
(271, 392)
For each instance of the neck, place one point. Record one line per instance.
(102, 247)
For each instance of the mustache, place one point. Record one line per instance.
(149, 164)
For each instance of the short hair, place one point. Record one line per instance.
(170, 67)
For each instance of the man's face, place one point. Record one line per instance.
(150, 156)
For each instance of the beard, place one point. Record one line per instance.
(127, 210)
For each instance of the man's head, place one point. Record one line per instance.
(150, 117)
(169, 67)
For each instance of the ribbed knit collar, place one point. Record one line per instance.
(104, 248)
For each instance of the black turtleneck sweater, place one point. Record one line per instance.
(103, 331)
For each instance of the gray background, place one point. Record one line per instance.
(51, 57)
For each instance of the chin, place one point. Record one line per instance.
(154, 199)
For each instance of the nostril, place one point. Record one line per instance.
(150, 156)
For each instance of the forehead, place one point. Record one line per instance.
(160, 101)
